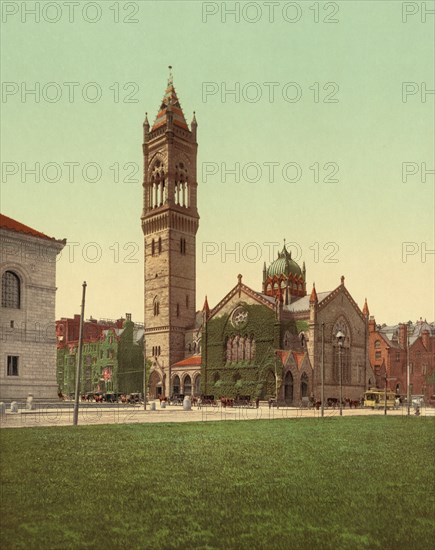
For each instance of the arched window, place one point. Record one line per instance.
(198, 385)
(153, 247)
(377, 344)
(11, 290)
(288, 388)
(187, 385)
(176, 385)
(160, 245)
(156, 307)
(304, 385)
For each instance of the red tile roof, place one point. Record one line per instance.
(13, 225)
(194, 360)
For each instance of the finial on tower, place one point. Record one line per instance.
(171, 76)
(342, 280)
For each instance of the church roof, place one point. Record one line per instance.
(303, 304)
(18, 227)
(193, 360)
(283, 265)
(170, 102)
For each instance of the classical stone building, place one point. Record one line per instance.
(169, 222)
(28, 340)
(112, 358)
(391, 347)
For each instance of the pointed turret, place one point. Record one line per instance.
(365, 310)
(206, 309)
(313, 297)
(193, 127)
(146, 128)
(314, 302)
(170, 111)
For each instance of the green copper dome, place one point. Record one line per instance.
(283, 265)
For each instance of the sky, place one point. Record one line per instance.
(315, 125)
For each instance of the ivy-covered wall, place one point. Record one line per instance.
(122, 355)
(244, 377)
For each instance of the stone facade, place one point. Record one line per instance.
(169, 223)
(257, 345)
(28, 270)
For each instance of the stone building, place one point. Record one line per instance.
(263, 344)
(169, 223)
(112, 356)
(28, 340)
(388, 348)
(273, 345)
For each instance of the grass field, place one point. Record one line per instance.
(284, 484)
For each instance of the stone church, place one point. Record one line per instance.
(273, 343)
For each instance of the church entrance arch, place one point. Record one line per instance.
(304, 385)
(288, 388)
(187, 385)
(155, 385)
(198, 385)
(176, 385)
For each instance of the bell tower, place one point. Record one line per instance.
(169, 222)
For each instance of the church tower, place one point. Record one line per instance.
(169, 222)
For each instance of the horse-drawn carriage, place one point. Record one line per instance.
(176, 399)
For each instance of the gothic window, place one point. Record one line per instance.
(11, 290)
(160, 245)
(156, 307)
(187, 385)
(240, 348)
(304, 385)
(345, 365)
(158, 188)
(198, 384)
(288, 388)
(176, 385)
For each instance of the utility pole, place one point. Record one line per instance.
(144, 378)
(322, 374)
(79, 359)
(408, 374)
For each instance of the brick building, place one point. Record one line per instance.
(112, 358)
(388, 348)
(27, 315)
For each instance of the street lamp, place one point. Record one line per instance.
(340, 338)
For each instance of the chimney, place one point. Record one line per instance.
(372, 324)
(403, 335)
(425, 337)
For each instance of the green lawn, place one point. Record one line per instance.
(356, 482)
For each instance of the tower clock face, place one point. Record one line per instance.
(239, 317)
